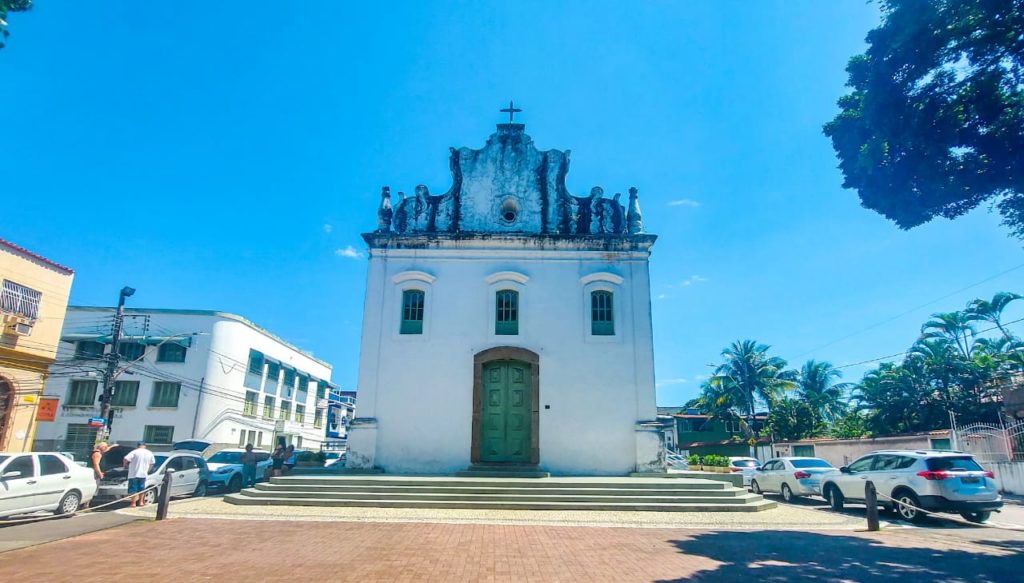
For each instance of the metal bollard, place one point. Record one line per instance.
(871, 499)
(164, 498)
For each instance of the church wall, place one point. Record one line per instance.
(593, 390)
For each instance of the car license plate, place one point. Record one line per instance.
(970, 480)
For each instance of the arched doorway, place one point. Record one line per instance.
(506, 407)
(6, 409)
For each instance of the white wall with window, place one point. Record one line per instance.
(497, 294)
(187, 374)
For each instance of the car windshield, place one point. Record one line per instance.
(744, 463)
(954, 464)
(226, 457)
(815, 463)
(160, 459)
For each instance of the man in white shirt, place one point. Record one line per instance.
(138, 461)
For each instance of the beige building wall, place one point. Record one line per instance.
(28, 337)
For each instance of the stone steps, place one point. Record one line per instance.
(609, 494)
(272, 489)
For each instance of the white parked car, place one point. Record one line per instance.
(791, 476)
(934, 481)
(191, 475)
(745, 465)
(47, 481)
(226, 468)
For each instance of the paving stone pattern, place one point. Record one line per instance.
(211, 549)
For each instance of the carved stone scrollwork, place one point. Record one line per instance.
(384, 213)
(634, 219)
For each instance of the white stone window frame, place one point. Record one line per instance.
(609, 282)
(409, 281)
(502, 280)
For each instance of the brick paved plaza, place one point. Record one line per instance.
(191, 549)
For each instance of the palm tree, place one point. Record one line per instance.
(953, 326)
(750, 375)
(992, 311)
(820, 390)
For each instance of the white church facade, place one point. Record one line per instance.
(507, 323)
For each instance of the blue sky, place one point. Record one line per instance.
(226, 155)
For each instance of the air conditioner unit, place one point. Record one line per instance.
(20, 328)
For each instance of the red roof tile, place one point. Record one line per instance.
(36, 256)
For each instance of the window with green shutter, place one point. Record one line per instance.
(171, 352)
(300, 414)
(285, 412)
(289, 376)
(318, 418)
(249, 408)
(602, 320)
(131, 350)
(255, 362)
(321, 390)
(165, 394)
(412, 311)
(87, 349)
(303, 381)
(126, 394)
(158, 434)
(268, 407)
(273, 371)
(81, 394)
(506, 316)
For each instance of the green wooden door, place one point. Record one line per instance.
(505, 412)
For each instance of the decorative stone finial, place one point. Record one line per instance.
(634, 220)
(384, 213)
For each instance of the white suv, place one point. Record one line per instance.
(936, 481)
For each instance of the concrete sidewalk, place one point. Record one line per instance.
(17, 536)
(199, 549)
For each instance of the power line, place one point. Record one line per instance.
(910, 311)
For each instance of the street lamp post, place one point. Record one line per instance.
(108, 377)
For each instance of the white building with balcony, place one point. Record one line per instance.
(184, 374)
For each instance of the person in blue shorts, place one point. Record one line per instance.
(139, 462)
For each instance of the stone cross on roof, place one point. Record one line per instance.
(511, 110)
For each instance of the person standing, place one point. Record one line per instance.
(248, 467)
(289, 459)
(277, 458)
(138, 461)
(94, 462)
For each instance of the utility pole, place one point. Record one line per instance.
(108, 377)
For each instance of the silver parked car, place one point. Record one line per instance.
(191, 474)
(791, 476)
(936, 481)
(31, 482)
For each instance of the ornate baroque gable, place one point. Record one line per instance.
(509, 186)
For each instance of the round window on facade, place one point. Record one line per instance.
(509, 210)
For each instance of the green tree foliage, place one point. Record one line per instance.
(819, 389)
(850, 426)
(748, 376)
(934, 125)
(7, 6)
(792, 419)
(953, 367)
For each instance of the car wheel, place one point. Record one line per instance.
(787, 494)
(200, 490)
(755, 487)
(907, 506)
(834, 497)
(150, 497)
(69, 503)
(977, 517)
(235, 485)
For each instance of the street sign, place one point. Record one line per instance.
(97, 422)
